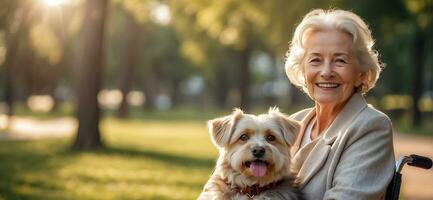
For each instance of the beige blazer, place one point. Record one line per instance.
(352, 159)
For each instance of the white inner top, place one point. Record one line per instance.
(306, 139)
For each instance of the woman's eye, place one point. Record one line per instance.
(340, 61)
(314, 61)
(244, 137)
(270, 138)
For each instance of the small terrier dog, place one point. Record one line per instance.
(254, 157)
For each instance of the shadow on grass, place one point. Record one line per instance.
(23, 162)
(178, 160)
(28, 169)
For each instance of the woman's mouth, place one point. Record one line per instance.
(327, 85)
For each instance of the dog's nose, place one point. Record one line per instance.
(258, 152)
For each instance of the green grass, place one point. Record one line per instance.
(153, 155)
(142, 160)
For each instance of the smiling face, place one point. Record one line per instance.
(258, 147)
(331, 68)
(254, 149)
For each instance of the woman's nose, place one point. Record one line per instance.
(326, 71)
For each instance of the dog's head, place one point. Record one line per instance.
(254, 149)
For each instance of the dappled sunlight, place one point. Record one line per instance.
(54, 2)
(229, 36)
(31, 128)
(183, 138)
(425, 104)
(40, 103)
(4, 122)
(46, 44)
(391, 102)
(160, 13)
(149, 74)
(139, 154)
(404, 102)
(136, 98)
(127, 169)
(110, 98)
(192, 50)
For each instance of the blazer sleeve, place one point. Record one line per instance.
(366, 165)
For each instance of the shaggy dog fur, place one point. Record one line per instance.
(254, 152)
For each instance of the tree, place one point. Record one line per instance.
(243, 27)
(404, 51)
(128, 61)
(90, 75)
(15, 38)
(421, 17)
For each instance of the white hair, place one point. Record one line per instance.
(341, 20)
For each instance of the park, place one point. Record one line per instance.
(109, 99)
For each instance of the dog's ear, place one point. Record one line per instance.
(221, 129)
(289, 127)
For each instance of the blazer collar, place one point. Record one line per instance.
(310, 158)
(349, 112)
(355, 104)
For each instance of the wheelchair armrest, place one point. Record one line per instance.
(393, 190)
(420, 161)
(413, 160)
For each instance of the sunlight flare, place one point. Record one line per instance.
(161, 14)
(54, 2)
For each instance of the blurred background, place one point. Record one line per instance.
(108, 99)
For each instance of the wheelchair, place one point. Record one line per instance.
(393, 190)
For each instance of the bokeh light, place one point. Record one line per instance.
(53, 2)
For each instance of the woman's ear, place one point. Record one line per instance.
(361, 79)
(221, 129)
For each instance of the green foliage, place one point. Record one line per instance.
(158, 51)
(394, 25)
(203, 39)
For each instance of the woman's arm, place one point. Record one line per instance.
(366, 165)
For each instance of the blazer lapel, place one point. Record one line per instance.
(316, 153)
(304, 122)
(352, 108)
(309, 159)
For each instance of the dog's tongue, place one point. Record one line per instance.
(258, 169)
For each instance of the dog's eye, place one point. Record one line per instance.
(270, 138)
(244, 137)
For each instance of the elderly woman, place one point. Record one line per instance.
(345, 148)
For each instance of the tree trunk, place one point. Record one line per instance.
(244, 77)
(9, 66)
(90, 75)
(128, 62)
(175, 93)
(28, 66)
(11, 59)
(417, 75)
(151, 88)
(222, 86)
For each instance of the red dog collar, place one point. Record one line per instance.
(254, 190)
